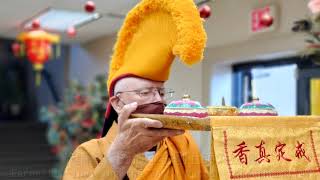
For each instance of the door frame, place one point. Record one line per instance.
(303, 88)
(242, 71)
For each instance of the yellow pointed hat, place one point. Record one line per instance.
(153, 34)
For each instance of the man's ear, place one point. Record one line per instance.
(115, 103)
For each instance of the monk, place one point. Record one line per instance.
(122, 152)
(153, 34)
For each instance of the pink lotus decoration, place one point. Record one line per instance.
(314, 6)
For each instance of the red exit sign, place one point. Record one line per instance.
(257, 17)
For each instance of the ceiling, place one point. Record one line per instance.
(14, 12)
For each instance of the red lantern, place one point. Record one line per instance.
(205, 11)
(38, 48)
(266, 20)
(36, 24)
(71, 31)
(90, 6)
(38, 52)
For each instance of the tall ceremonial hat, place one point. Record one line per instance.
(154, 32)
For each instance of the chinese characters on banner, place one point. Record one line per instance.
(262, 156)
(265, 152)
(272, 148)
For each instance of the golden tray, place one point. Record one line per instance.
(178, 122)
(205, 124)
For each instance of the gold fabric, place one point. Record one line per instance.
(177, 158)
(264, 148)
(88, 161)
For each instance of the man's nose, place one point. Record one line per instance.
(157, 97)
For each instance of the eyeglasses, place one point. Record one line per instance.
(148, 93)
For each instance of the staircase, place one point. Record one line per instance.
(24, 152)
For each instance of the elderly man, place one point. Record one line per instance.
(136, 135)
(154, 32)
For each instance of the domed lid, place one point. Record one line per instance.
(257, 105)
(184, 103)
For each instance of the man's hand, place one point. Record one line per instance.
(135, 136)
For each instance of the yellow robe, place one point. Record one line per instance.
(171, 161)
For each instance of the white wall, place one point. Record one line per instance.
(88, 60)
(230, 22)
(230, 40)
(186, 80)
(83, 66)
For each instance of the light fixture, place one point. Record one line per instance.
(60, 20)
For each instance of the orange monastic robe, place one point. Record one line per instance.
(176, 158)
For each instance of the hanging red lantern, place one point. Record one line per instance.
(36, 24)
(72, 32)
(205, 11)
(90, 6)
(266, 20)
(38, 46)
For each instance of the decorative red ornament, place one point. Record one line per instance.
(88, 123)
(99, 135)
(38, 47)
(55, 150)
(314, 46)
(71, 32)
(15, 47)
(36, 24)
(78, 98)
(90, 6)
(266, 20)
(205, 11)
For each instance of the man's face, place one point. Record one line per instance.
(131, 89)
